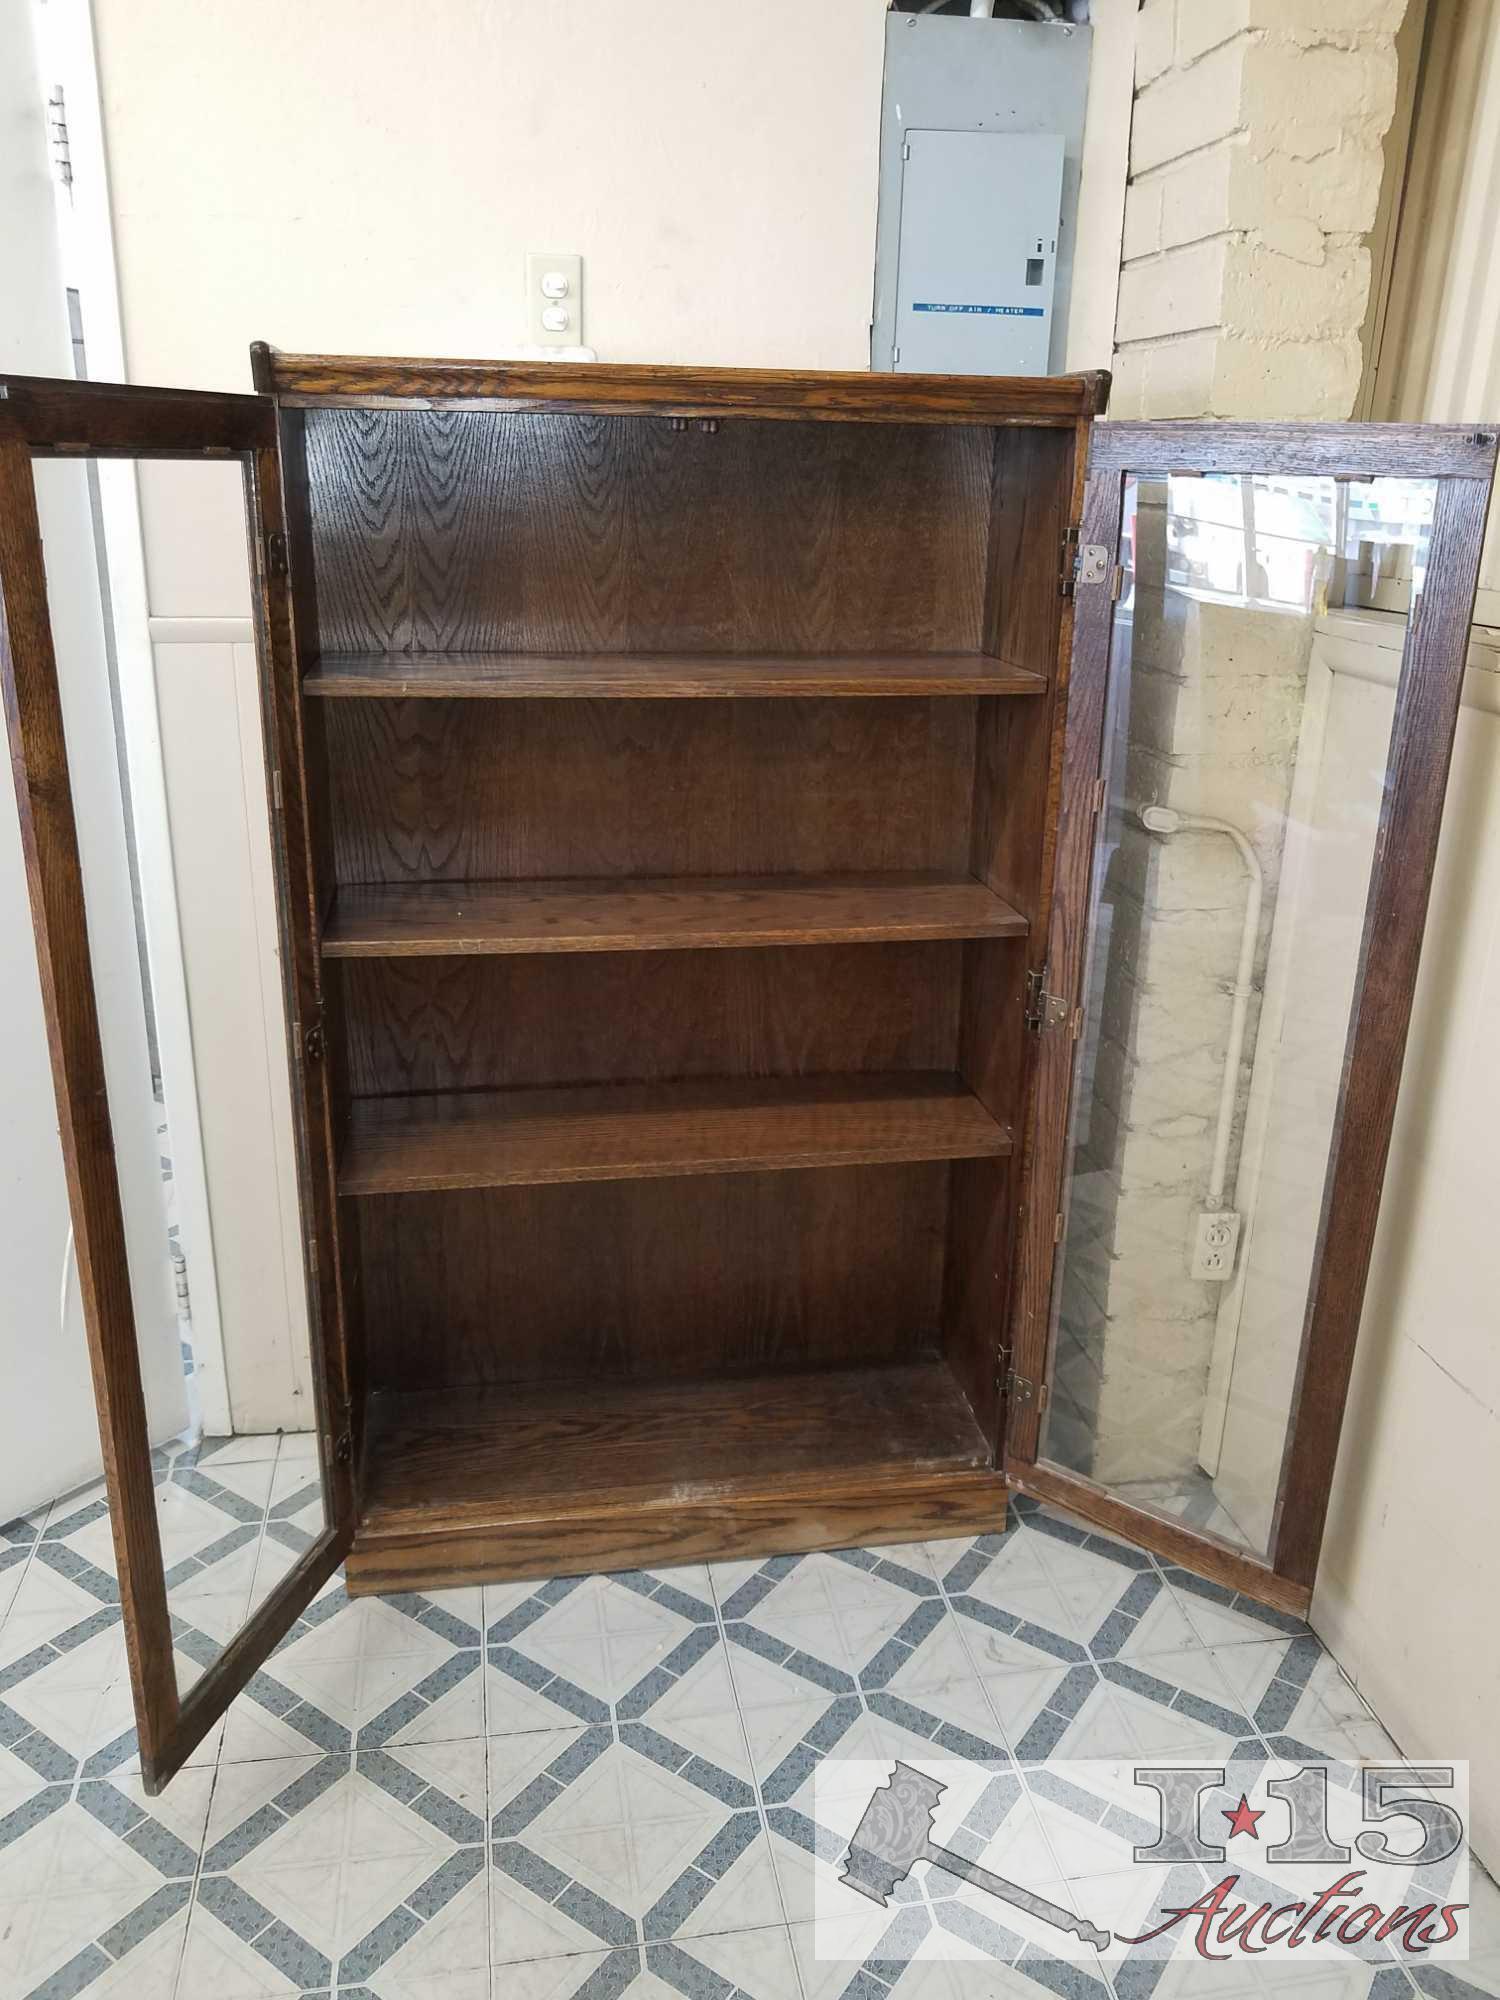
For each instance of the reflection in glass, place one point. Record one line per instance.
(1246, 770)
(159, 679)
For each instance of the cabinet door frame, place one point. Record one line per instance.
(58, 418)
(1461, 458)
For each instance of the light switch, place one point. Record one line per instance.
(554, 298)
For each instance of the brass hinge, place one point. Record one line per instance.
(1086, 563)
(1067, 562)
(1021, 1389)
(1044, 1010)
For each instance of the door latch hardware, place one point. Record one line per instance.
(1044, 1010)
(342, 1448)
(276, 553)
(312, 1042)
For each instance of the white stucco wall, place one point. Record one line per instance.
(333, 181)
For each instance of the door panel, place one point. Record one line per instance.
(1257, 864)
(977, 300)
(219, 1542)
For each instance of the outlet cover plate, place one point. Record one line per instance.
(538, 264)
(1216, 1236)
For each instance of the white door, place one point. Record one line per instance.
(48, 1436)
(173, 536)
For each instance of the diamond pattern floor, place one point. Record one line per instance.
(593, 1787)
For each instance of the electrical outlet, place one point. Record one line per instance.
(554, 299)
(1216, 1236)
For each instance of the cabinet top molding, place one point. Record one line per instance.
(691, 393)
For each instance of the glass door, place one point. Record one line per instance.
(222, 1523)
(1250, 820)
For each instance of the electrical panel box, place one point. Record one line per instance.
(981, 158)
(977, 257)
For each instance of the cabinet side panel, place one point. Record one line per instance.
(485, 531)
(1016, 766)
(302, 843)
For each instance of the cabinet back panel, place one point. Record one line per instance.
(437, 1024)
(652, 1279)
(486, 531)
(436, 790)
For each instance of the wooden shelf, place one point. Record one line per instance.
(500, 1453)
(446, 919)
(663, 676)
(623, 1131)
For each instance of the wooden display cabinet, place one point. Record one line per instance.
(683, 827)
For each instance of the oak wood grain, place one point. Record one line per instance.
(1050, 1081)
(1015, 803)
(664, 1532)
(115, 420)
(769, 393)
(475, 534)
(618, 1280)
(634, 1131)
(497, 1023)
(664, 914)
(664, 677)
(1287, 450)
(471, 791)
(293, 804)
(484, 1457)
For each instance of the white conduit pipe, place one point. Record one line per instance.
(1166, 820)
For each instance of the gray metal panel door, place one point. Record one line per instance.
(978, 256)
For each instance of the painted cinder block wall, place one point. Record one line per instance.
(1256, 164)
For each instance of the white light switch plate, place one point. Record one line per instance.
(542, 265)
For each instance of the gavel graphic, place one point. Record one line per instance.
(895, 1833)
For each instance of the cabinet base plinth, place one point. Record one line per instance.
(662, 1535)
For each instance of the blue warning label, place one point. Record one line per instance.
(1001, 312)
